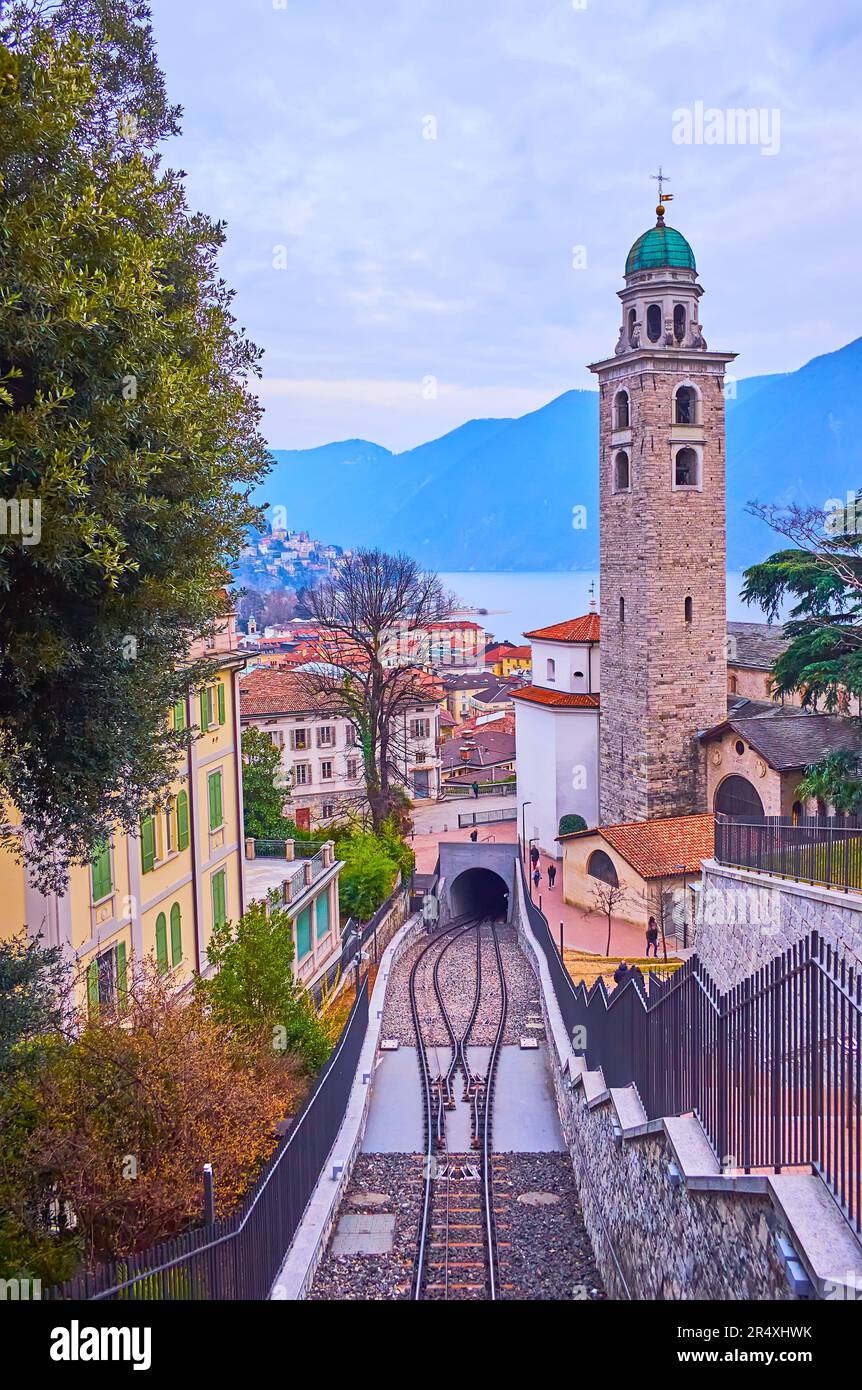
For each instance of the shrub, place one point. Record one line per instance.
(570, 825)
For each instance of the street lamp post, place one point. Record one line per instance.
(680, 869)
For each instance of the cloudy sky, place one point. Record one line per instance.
(406, 184)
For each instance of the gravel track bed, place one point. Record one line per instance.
(550, 1255)
(398, 1179)
(458, 981)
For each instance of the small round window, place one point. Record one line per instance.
(739, 746)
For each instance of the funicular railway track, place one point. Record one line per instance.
(456, 1255)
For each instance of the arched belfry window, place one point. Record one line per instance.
(685, 411)
(622, 472)
(686, 472)
(654, 322)
(679, 322)
(689, 609)
(633, 318)
(622, 414)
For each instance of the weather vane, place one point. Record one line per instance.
(661, 178)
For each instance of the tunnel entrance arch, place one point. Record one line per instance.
(481, 891)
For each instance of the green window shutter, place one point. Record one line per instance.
(182, 820)
(93, 987)
(180, 715)
(100, 874)
(216, 813)
(219, 899)
(148, 844)
(204, 709)
(322, 909)
(176, 935)
(122, 977)
(303, 933)
(162, 943)
(220, 689)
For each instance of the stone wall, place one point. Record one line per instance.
(669, 1242)
(746, 918)
(666, 1221)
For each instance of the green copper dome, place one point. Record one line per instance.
(659, 247)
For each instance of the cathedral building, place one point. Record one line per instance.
(662, 518)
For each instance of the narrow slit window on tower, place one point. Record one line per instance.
(622, 610)
(633, 318)
(689, 609)
(621, 411)
(685, 468)
(622, 472)
(654, 322)
(679, 322)
(686, 406)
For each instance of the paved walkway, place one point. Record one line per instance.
(584, 931)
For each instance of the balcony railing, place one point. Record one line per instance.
(825, 850)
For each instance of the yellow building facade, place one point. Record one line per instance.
(157, 892)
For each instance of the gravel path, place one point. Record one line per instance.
(549, 1255)
(397, 1180)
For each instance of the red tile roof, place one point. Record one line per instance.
(585, 629)
(501, 653)
(556, 699)
(267, 691)
(656, 848)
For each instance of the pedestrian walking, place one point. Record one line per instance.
(652, 938)
(537, 877)
(552, 875)
(534, 856)
(475, 786)
(621, 973)
(474, 835)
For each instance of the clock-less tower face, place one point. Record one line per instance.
(662, 517)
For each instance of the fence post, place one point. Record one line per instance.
(723, 1097)
(209, 1197)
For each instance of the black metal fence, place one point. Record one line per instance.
(487, 817)
(813, 849)
(240, 1257)
(772, 1068)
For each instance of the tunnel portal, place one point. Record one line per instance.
(479, 891)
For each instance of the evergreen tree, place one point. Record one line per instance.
(129, 438)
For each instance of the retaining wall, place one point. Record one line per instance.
(666, 1221)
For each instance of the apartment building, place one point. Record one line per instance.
(159, 891)
(321, 759)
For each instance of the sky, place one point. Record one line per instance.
(429, 202)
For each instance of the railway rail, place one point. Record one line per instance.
(458, 1197)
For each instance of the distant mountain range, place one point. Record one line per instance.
(499, 494)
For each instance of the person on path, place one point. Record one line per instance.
(475, 786)
(652, 938)
(621, 973)
(534, 856)
(474, 835)
(537, 877)
(552, 875)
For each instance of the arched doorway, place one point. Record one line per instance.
(479, 891)
(737, 798)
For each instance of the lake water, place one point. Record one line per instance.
(519, 602)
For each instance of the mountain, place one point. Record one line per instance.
(502, 494)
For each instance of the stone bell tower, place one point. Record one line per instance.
(662, 516)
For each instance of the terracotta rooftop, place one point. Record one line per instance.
(267, 691)
(656, 848)
(556, 699)
(585, 629)
(502, 652)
